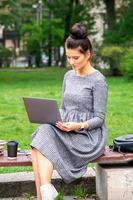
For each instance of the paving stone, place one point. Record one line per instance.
(21, 198)
(72, 198)
(29, 176)
(23, 182)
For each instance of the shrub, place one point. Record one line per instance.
(5, 56)
(111, 54)
(126, 63)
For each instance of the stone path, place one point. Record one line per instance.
(21, 198)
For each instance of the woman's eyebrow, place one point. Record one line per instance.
(72, 56)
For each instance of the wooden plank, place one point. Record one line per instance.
(23, 159)
(109, 157)
(113, 157)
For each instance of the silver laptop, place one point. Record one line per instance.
(42, 110)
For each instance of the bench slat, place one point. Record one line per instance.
(109, 157)
(23, 159)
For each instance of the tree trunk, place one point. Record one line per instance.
(50, 40)
(50, 49)
(57, 56)
(67, 29)
(111, 22)
(111, 14)
(114, 67)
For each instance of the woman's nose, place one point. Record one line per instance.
(71, 61)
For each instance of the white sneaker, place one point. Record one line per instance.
(48, 192)
(55, 193)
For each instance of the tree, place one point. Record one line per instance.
(65, 12)
(32, 35)
(117, 21)
(58, 16)
(110, 14)
(127, 63)
(14, 13)
(125, 26)
(5, 56)
(112, 54)
(122, 26)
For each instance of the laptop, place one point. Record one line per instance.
(41, 110)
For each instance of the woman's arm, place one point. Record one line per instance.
(62, 107)
(100, 93)
(99, 110)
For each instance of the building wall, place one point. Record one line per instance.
(1, 32)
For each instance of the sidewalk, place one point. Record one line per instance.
(21, 198)
(17, 184)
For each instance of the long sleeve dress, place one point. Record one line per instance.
(83, 99)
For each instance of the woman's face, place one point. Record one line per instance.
(77, 59)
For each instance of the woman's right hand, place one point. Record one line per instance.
(68, 126)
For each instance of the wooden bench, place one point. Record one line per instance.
(114, 171)
(109, 157)
(23, 159)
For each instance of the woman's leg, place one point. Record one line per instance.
(45, 168)
(36, 172)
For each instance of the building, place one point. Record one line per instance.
(10, 39)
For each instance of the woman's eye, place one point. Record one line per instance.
(75, 58)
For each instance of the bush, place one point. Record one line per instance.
(5, 56)
(126, 63)
(111, 54)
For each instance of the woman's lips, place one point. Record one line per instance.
(74, 66)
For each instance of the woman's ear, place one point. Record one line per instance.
(88, 54)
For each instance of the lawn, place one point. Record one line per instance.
(15, 84)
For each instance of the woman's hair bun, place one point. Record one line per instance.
(78, 31)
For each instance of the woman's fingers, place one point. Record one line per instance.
(62, 126)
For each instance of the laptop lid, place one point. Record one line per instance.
(42, 110)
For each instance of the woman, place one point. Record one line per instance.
(70, 145)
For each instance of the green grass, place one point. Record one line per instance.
(60, 196)
(14, 123)
(15, 84)
(80, 192)
(120, 107)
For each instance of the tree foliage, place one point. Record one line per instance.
(14, 13)
(48, 35)
(5, 56)
(68, 12)
(111, 54)
(123, 30)
(125, 26)
(121, 34)
(53, 29)
(126, 63)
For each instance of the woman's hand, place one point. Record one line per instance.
(68, 126)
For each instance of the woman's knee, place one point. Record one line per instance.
(33, 150)
(33, 153)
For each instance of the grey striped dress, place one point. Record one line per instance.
(83, 99)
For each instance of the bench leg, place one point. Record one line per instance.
(114, 182)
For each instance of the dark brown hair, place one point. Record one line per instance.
(79, 38)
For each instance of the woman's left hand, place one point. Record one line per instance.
(68, 126)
